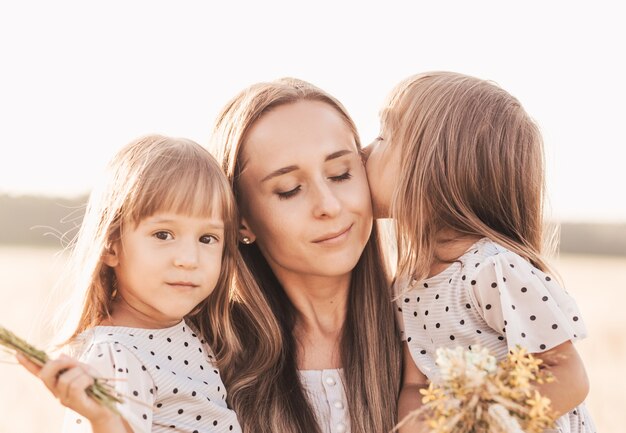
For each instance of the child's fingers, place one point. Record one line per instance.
(71, 389)
(72, 385)
(68, 379)
(53, 369)
(66, 383)
(28, 364)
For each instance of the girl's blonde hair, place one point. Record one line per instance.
(472, 161)
(272, 399)
(152, 174)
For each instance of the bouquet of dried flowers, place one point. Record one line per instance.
(476, 394)
(101, 391)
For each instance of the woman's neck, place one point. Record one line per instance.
(321, 304)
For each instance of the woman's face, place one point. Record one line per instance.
(303, 191)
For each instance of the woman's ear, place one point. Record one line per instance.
(246, 236)
(110, 257)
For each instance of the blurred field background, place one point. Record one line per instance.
(598, 282)
(73, 90)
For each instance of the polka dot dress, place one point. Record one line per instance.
(167, 375)
(495, 298)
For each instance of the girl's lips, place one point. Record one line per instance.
(182, 284)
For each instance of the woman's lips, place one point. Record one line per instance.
(334, 237)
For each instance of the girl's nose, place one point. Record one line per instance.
(366, 151)
(187, 256)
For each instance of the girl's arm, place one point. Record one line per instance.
(410, 398)
(571, 385)
(67, 379)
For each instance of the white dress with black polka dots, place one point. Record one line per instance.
(326, 394)
(492, 297)
(168, 376)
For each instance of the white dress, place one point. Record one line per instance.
(167, 375)
(494, 298)
(326, 394)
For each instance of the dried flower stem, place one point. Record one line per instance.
(475, 394)
(100, 391)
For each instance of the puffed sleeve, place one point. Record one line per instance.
(524, 304)
(131, 380)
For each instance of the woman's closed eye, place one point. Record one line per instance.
(288, 194)
(340, 178)
(283, 195)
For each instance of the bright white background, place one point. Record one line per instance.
(78, 79)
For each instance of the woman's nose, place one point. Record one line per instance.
(327, 204)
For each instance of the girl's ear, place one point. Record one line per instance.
(110, 257)
(246, 235)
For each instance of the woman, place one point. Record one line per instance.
(293, 156)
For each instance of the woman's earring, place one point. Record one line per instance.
(246, 240)
(113, 285)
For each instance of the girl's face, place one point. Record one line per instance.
(164, 267)
(304, 194)
(383, 169)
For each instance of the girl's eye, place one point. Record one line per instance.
(208, 239)
(341, 177)
(288, 194)
(164, 236)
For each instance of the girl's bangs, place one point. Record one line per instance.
(193, 188)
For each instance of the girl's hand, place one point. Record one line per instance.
(68, 380)
(571, 385)
(28, 364)
(410, 399)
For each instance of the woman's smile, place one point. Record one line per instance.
(334, 238)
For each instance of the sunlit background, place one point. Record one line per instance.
(80, 79)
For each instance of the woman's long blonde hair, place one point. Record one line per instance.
(472, 161)
(270, 400)
(151, 174)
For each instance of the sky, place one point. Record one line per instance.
(80, 79)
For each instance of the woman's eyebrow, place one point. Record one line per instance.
(291, 168)
(280, 172)
(338, 154)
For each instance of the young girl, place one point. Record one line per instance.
(459, 166)
(154, 263)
